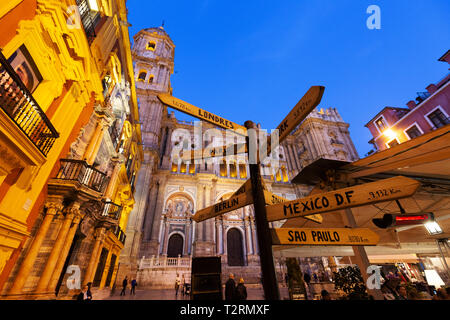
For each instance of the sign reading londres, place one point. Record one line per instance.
(368, 193)
(194, 111)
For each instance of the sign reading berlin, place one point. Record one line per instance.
(235, 202)
(368, 193)
(325, 236)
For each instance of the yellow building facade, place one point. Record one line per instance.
(70, 144)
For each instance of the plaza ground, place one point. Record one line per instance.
(167, 294)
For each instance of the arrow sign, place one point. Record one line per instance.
(201, 114)
(235, 202)
(272, 199)
(214, 152)
(301, 110)
(325, 236)
(369, 193)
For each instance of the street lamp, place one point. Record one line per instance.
(433, 228)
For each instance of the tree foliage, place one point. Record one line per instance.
(350, 281)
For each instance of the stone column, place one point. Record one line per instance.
(199, 231)
(208, 224)
(187, 237)
(254, 239)
(113, 181)
(52, 209)
(52, 260)
(165, 242)
(64, 253)
(100, 236)
(94, 143)
(149, 212)
(158, 212)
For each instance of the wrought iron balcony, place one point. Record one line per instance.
(81, 172)
(18, 103)
(111, 210)
(89, 19)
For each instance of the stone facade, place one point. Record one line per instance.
(161, 236)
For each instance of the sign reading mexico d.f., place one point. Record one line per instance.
(369, 193)
(325, 236)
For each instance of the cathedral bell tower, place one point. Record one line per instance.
(153, 55)
(153, 62)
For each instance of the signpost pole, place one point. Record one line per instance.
(269, 280)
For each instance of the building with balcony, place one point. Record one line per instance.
(70, 145)
(429, 111)
(161, 235)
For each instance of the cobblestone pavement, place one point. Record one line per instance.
(160, 294)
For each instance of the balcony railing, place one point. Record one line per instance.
(18, 103)
(80, 171)
(111, 210)
(118, 232)
(164, 261)
(89, 19)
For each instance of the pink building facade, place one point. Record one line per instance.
(429, 111)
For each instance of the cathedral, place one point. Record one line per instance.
(161, 236)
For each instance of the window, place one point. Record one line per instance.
(25, 67)
(438, 118)
(413, 132)
(392, 143)
(381, 124)
(142, 76)
(151, 45)
(150, 79)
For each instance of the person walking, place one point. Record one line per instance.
(133, 287)
(82, 296)
(177, 284)
(241, 290)
(183, 285)
(88, 292)
(230, 288)
(124, 286)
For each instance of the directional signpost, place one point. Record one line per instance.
(369, 193)
(201, 114)
(270, 207)
(325, 236)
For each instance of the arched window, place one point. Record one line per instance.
(151, 78)
(235, 248)
(242, 170)
(175, 246)
(223, 169)
(142, 76)
(151, 45)
(233, 170)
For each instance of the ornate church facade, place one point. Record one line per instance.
(161, 236)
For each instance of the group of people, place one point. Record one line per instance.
(133, 285)
(233, 291)
(181, 283)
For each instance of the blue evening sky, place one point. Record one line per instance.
(254, 59)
